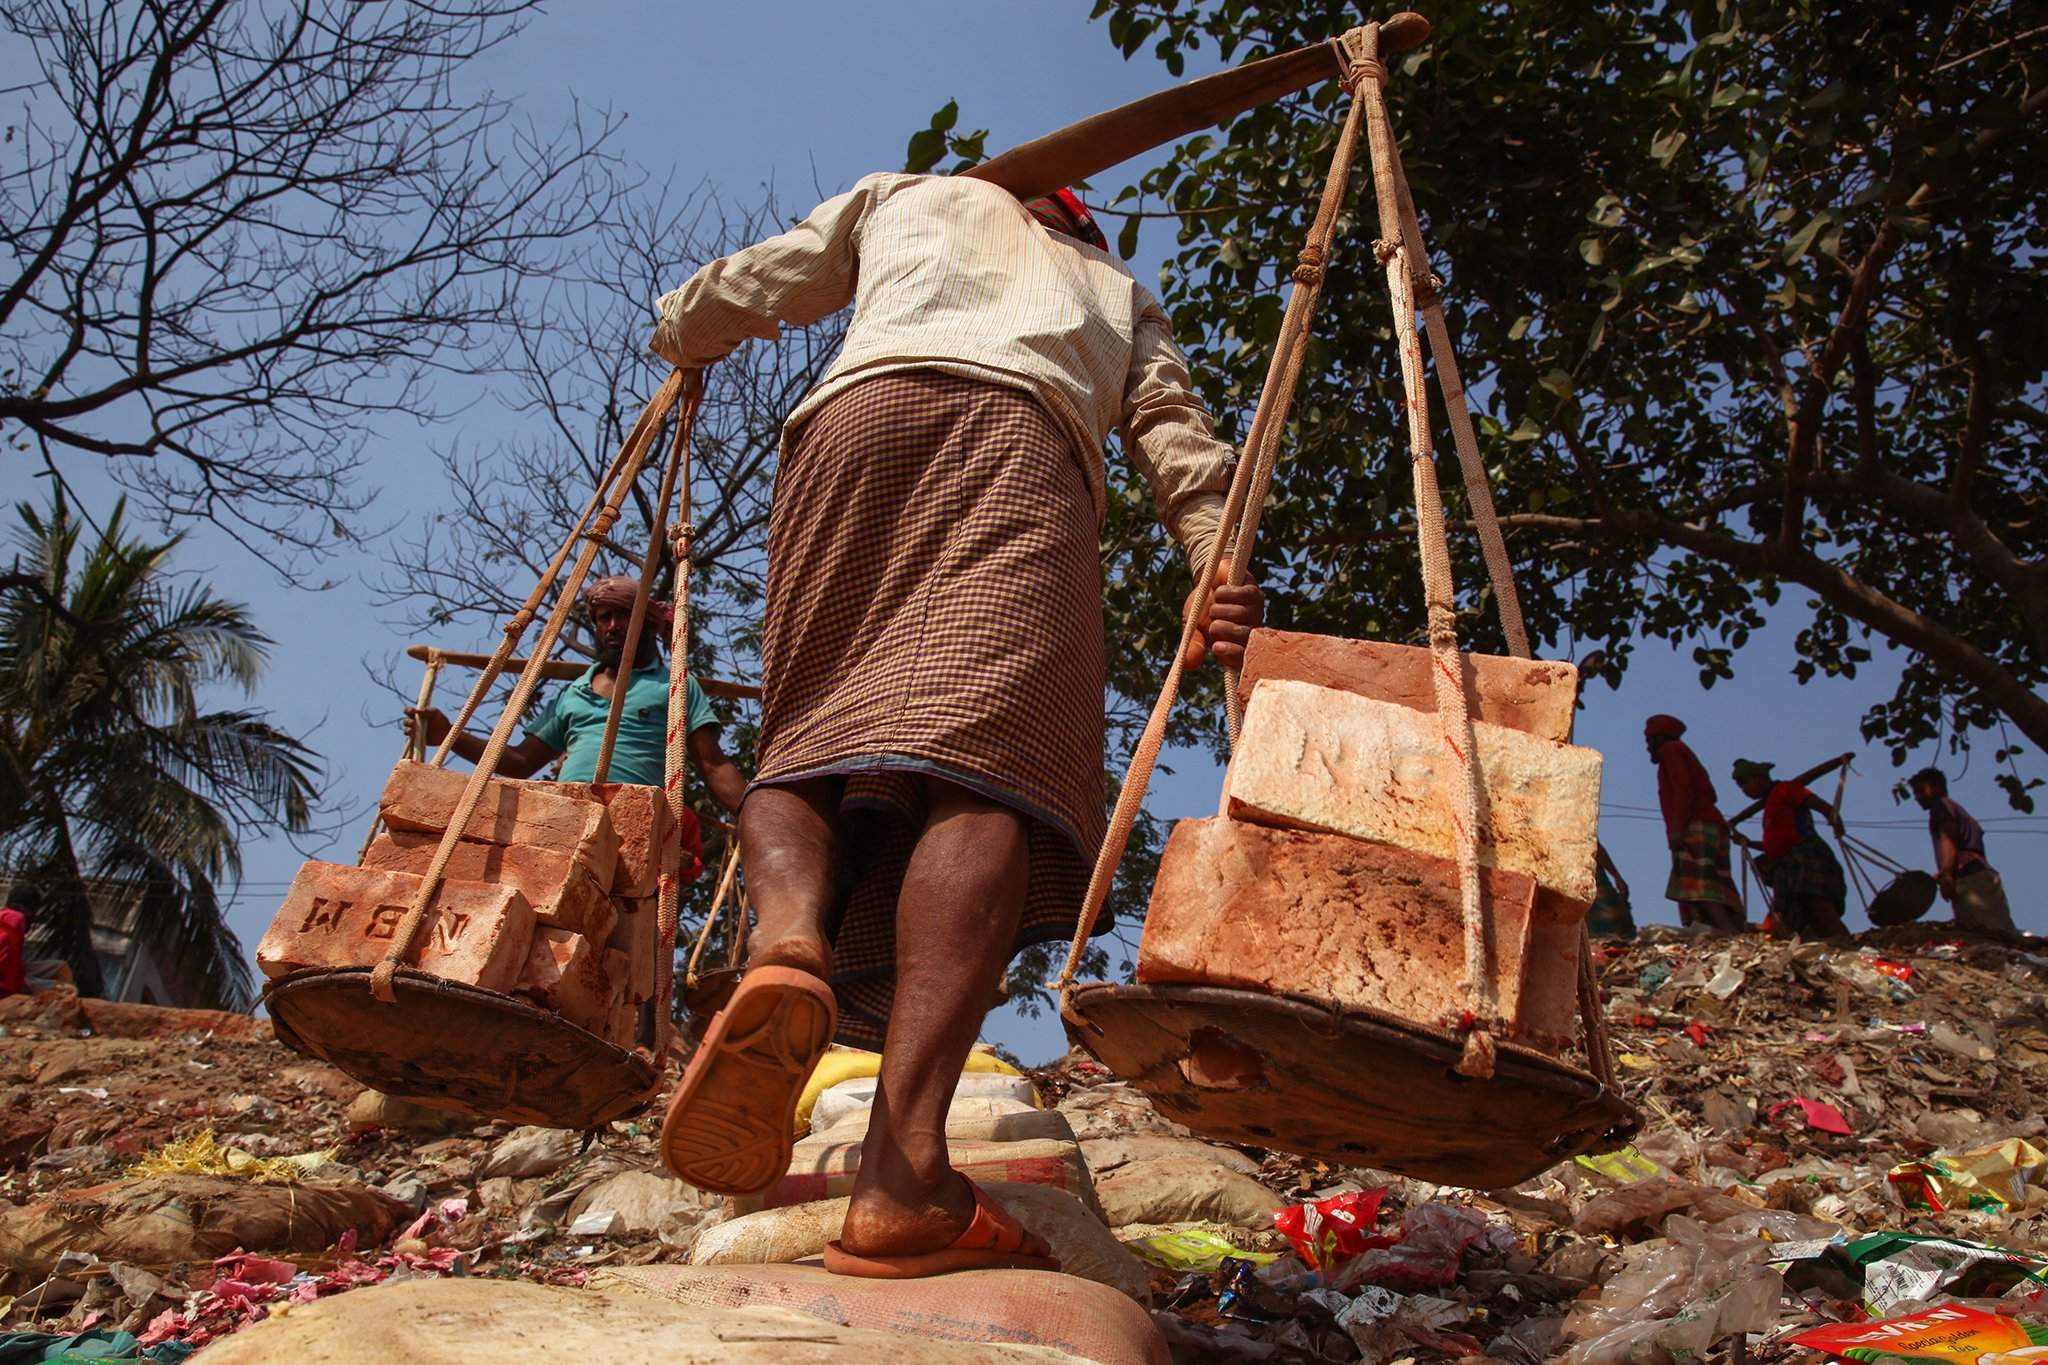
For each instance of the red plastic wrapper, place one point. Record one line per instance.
(1331, 1231)
(1898, 971)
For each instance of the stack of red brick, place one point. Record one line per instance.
(1331, 871)
(549, 895)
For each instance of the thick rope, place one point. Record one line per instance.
(628, 469)
(669, 900)
(650, 564)
(515, 629)
(1478, 489)
(1241, 509)
(1283, 376)
(1439, 585)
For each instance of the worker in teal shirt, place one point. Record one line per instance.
(571, 725)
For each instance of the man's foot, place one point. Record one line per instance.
(954, 1227)
(729, 1127)
(806, 953)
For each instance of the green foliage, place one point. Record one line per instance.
(1748, 297)
(929, 146)
(115, 781)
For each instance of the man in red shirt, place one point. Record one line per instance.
(1808, 891)
(1700, 882)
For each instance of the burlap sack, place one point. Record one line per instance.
(1084, 1246)
(463, 1321)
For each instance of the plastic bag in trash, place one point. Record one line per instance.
(1705, 1284)
(1383, 1325)
(2011, 1173)
(1192, 1249)
(1433, 1241)
(1334, 1230)
(1939, 1336)
(1901, 1270)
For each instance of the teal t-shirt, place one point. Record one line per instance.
(573, 723)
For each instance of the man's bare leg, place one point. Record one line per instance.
(956, 917)
(788, 842)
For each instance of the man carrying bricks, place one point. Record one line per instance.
(571, 726)
(930, 795)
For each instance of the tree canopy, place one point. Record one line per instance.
(1748, 298)
(117, 782)
(240, 235)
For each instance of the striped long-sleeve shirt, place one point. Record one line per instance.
(956, 275)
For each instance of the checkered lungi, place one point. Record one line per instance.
(934, 609)
(1700, 869)
(1808, 870)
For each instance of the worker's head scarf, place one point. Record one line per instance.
(1663, 727)
(1746, 768)
(618, 591)
(1063, 211)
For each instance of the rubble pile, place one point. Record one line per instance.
(1842, 1145)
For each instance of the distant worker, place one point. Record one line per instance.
(1808, 891)
(13, 952)
(1610, 915)
(571, 725)
(1695, 830)
(1966, 877)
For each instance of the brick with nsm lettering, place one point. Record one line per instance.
(1314, 757)
(337, 916)
(563, 888)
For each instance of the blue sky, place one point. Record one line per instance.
(742, 96)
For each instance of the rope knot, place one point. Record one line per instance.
(601, 525)
(1310, 271)
(1383, 249)
(1428, 288)
(1352, 67)
(521, 619)
(1361, 71)
(680, 537)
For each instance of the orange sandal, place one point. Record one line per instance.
(730, 1125)
(993, 1240)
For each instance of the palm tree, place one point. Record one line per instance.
(112, 776)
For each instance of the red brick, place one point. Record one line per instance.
(640, 817)
(565, 973)
(564, 891)
(637, 937)
(1535, 696)
(421, 798)
(1317, 758)
(1361, 925)
(337, 916)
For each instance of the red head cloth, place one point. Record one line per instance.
(618, 591)
(1663, 727)
(1063, 211)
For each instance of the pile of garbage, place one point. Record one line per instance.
(1843, 1155)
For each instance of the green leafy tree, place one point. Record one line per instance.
(115, 780)
(1749, 298)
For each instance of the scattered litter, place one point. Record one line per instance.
(1950, 1333)
(2009, 1174)
(1192, 1250)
